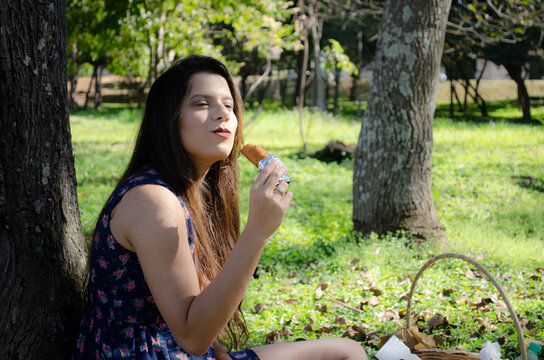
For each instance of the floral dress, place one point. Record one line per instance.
(123, 321)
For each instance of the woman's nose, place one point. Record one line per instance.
(222, 114)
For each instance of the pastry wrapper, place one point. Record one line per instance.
(262, 163)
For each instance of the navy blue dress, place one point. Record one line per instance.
(123, 321)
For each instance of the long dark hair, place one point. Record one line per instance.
(213, 204)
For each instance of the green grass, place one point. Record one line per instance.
(488, 185)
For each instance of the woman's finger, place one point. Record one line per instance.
(266, 171)
(274, 178)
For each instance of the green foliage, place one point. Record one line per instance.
(140, 38)
(335, 58)
(488, 187)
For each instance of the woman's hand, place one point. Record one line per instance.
(268, 201)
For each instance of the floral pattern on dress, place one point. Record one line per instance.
(122, 321)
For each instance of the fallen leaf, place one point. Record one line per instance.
(293, 319)
(308, 328)
(483, 305)
(273, 337)
(371, 301)
(340, 320)
(318, 293)
(354, 261)
(485, 321)
(323, 286)
(321, 308)
(438, 339)
(438, 322)
(350, 332)
(479, 332)
(500, 306)
(469, 274)
(285, 331)
(259, 307)
(473, 274)
(291, 301)
(403, 279)
(376, 291)
(462, 300)
(389, 314)
(326, 329)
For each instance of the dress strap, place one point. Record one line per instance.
(149, 175)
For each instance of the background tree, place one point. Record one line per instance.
(336, 61)
(514, 57)
(507, 32)
(392, 168)
(43, 250)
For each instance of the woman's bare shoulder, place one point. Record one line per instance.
(144, 210)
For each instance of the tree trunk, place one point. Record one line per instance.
(43, 256)
(392, 168)
(98, 87)
(514, 71)
(452, 89)
(300, 59)
(316, 31)
(336, 88)
(354, 87)
(302, 88)
(87, 95)
(72, 103)
(360, 70)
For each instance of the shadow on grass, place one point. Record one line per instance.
(500, 110)
(531, 183)
(110, 111)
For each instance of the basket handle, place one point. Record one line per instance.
(432, 260)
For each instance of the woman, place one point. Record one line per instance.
(169, 267)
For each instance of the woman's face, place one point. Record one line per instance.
(207, 121)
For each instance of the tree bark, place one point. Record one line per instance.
(514, 71)
(316, 27)
(43, 256)
(392, 168)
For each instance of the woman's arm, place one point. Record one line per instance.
(149, 220)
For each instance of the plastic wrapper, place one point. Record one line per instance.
(267, 160)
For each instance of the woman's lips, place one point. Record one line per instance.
(222, 132)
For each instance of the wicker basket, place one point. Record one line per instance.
(440, 354)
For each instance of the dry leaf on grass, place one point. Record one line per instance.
(273, 337)
(318, 293)
(321, 308)
(285, 331)
(389, 314)
(259, 307)
(354, 261)
(483, 305)
(355, 331)
(371, 301)
(293, 320)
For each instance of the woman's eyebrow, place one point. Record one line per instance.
(227, 97)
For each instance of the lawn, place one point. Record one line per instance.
(317, 278)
